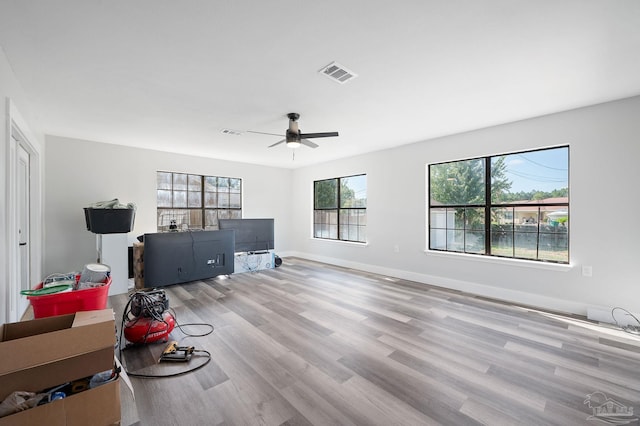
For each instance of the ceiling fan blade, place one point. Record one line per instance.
(318, 135)
(263, 133)
(308, 143)
(277, 143)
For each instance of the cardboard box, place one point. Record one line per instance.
(48, 352)
(97, 406)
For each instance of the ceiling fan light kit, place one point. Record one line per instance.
(293, 132)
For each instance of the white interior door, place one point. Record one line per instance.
(24, 213)
(23, 216)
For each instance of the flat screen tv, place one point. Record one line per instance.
(252, 235)
(177, 257)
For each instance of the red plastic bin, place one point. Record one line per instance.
(70, 302)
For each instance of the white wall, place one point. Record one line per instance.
(604, 153)
(10, 89)
(81, 172)
(604, 163)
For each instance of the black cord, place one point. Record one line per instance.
(147, 306)
(631, 329)
(190, 324)
(180, 373)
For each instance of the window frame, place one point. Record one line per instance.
(339, 211)
(488, 206)
(229, 211)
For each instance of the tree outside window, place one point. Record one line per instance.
(512, 205)
(340, 208)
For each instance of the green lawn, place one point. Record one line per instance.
(552, 255)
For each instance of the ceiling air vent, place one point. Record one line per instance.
(230, 132)
(338, 73)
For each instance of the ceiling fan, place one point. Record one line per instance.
(294, 138)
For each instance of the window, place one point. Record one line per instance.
(340, 208)
(513, 205)
(196, 202)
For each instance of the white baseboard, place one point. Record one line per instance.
(605, 314)
(507, 295)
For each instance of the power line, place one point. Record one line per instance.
(541, 165)
(537, 178)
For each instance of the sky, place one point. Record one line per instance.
(540, 170)
(359, 185)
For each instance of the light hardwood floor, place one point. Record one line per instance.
(309, 343)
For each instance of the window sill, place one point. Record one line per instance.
(502, 261)
(349, 243)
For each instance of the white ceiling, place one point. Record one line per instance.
(170, 75)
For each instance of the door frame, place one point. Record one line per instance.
(24, 219)
(18, 133)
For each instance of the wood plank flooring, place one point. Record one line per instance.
(313, 344)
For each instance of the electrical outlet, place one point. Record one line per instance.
(587, 271)
(396, 248)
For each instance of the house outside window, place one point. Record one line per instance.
(186, 201)
(340, 208)
(513, 205)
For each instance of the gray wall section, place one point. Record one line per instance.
(82, 172)
(604, 173)
(604, 157)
